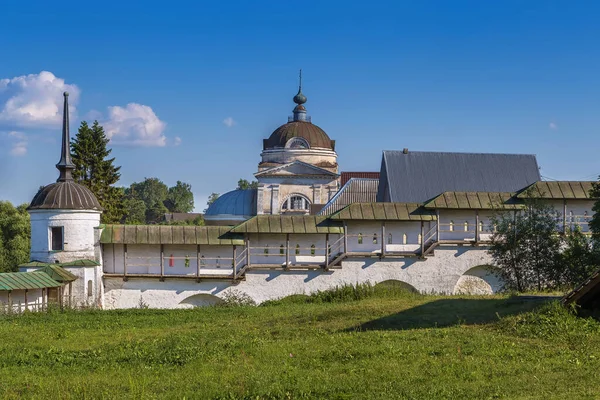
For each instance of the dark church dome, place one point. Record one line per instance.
(314, 136)
(65, 196)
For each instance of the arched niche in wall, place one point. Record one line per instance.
(201, 300)
(483, 279)
(394, 284)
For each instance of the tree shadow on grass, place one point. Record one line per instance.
(450, 312)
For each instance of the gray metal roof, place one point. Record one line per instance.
(356, 190)
(236, 203)
(416, 176)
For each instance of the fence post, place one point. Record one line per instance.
(383, 239)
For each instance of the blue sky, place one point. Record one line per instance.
(166, 77)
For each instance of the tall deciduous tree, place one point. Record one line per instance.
(526, 247)
(95, 170)
(156, 199)
(180, 198)
(15, 232)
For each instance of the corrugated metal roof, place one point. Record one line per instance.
(26, 280)
(356, 190)
(346, 176)
(165, 234)
(474, 201)
(289, 224)
(76, 263)
(416, 177)
(562, 190)
(58, 273)
(385, 212)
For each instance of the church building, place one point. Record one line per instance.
(423, 219)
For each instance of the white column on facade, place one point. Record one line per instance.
(317, 193)
(275, 199)
(259, 199)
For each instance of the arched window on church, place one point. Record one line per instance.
(296, 203)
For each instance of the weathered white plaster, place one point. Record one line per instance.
(437, 274)
(78, 234)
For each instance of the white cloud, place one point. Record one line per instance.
(19, 143)
(229, 122)
(135, 125)
(35, 100)
(553, 126)
(176, 141)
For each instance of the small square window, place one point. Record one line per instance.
(56, 240)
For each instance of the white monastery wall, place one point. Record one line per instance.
(78, 234)
(438, 274)
(17, 298)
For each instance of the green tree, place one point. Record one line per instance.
(211, 199)
(156, 213)
(95, 170)
(151, 191)
(15, 233)
(243, 184)
(135, 211)
(526, 246)
(579, 259)
(180, 198)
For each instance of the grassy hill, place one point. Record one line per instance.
(389, 344)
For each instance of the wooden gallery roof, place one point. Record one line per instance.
(289, 224)
(560, 190)
(474, 201)
(385, 212)
(166, 234)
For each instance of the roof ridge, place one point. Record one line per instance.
(458, 152)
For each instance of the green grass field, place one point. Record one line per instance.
(390, 344)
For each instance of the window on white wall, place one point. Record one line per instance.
(451, 226)
(389, 238)
(404, 238)
(296, 203)
(374, 238)
(360, 238)
(56, 238)
(90, 288)
(312, 249)
(297, 249)
(466, 226)
(281, 250)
